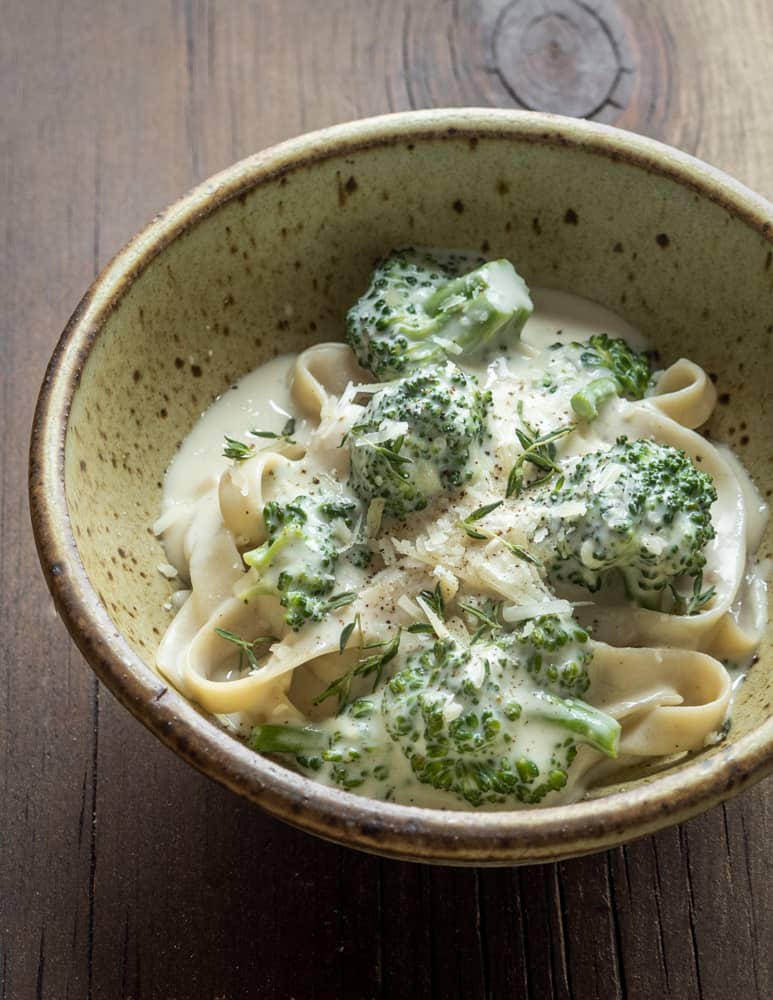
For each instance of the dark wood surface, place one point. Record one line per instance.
(123, 874)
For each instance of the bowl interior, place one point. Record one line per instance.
(275, 268)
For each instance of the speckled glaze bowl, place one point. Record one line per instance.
(264, 258)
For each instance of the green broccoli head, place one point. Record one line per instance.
(417, 438)
(421, 308)
(461, 715)
(556, 651)
(297, 562)
(643, 509)
(462, 720)
(606, 367)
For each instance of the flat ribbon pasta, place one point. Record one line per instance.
(246, 488)
(685, 393)
(322, 371)
(667, 700)
(261, 693)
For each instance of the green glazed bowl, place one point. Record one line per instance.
(264, 258)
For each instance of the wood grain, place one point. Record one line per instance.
(122, 872)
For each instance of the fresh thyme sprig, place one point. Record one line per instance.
(373, 664)
(489, 614)
(390, 450)
(537, 451)
(482, 533)
(696, 601)
(477, 515)
(246, 646)
(285, 434)
(346, 633)
(339, 600)
(237, 450)
(434, 601)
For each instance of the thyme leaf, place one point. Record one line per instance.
(246, 646)
(285, 434)
(538, 451)
(481, 512)
(339, 600)
(374, 664)
(696, 601)
(237, 450)
(346, 633)
(435, 602)
(488, 614)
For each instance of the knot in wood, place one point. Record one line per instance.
(557, 55)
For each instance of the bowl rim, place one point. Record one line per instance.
(406, 832)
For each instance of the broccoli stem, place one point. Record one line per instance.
(586, 402)
(651, 599)
(487, 298)
(597, 728)
(287, 739)
(261, 557)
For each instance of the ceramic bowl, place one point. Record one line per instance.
(264, 258)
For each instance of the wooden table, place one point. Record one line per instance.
(124, 874)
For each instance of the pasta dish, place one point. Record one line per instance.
(473, 556)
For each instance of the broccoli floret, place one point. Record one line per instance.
(297, 561)
(347, 750)
(643, 509)
(463, 718)
(461, 715)
(420, 308)
(607, 367)
(555, 650)
(417, 438)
